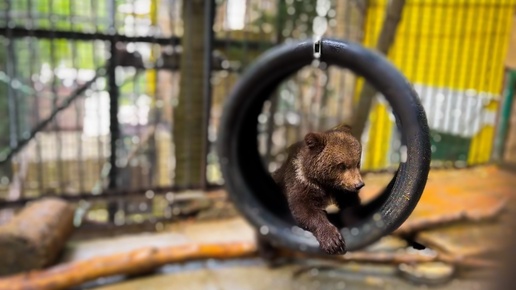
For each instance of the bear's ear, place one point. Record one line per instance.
(314, 141)
(343, 128)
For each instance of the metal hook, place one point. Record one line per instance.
(317, 48)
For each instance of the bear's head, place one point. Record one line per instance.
(331, 159)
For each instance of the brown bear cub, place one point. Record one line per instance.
(322, 169)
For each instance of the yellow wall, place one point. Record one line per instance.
(458, 44)
(434, 48)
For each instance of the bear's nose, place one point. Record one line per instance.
(359, 185)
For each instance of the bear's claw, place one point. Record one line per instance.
(332, 242)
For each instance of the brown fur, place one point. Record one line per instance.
(321, 169)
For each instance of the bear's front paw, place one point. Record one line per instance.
(331, 241)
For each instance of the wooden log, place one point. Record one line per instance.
(134, 262)
(412, 227)
(35, 236)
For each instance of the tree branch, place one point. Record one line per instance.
(385, 41)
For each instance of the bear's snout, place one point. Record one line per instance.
(359, 185)
(352, 180)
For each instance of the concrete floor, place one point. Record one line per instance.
(477, 190)
(250, 273)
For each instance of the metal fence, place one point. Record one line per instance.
(117, 102)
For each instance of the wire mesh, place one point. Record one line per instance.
(145, 128)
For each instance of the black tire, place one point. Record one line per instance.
(248, 182)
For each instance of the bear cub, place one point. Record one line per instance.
(322, 169)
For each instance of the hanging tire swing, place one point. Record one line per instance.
(250, 185)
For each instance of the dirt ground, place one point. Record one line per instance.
(467, 192)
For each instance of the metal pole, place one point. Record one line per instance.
(113, 112)
(11, 93)
(505, 116)
(209, 12)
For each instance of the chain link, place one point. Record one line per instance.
(320, 24)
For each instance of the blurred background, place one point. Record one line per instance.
(113, 105)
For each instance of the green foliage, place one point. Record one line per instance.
(84, 16)
(291, 19)
(61, 14)
(31, 54)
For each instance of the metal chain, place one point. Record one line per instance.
(320, 24)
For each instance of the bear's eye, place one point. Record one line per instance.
(343, 166)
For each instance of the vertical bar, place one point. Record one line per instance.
(458, 37)
(343, 73)
(55, 97)
(370, 39)
(133, 14)
(438, 76)
(155, 154)
(112, 17)
(209, 12)
(245, 45)
(275, 98)
(505, 116)
(152, 91)
(113, 110)
(11, 74)
(496, 46)
(420, 10)
(429, 79)
(171, 18)
(507, 10)
(187, 75)
(269, 129)
(377, 108)
(462, 78)
(472, 81)
(487, 58)
(406, 39)
(100, 150)
(421, 14)
(444, 77)
(298, 104)
(79, 158)
(506, 102)
(227, 37)
(32, 60)
(174, 73)
(347, 19)
(314, 99)
(94, 18)
(342, 96)
(135, 143)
